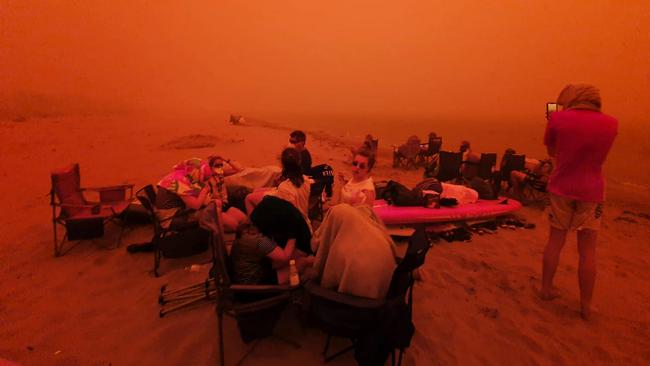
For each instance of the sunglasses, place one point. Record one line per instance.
(361, 165)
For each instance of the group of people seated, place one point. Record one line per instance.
(532, 174)
(349, 251)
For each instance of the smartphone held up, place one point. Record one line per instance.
(550, 108)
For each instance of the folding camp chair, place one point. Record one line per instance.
(81, 218)
(361, 319)
(486, 165)
(255, 319)
(171, 241)
(406, 155)
(510, 163)
(533, 189)
(450, 164)
(429, 151)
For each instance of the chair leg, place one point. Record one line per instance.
(156, 261)
(122, 228)
(392, 357)
(327, 345)
(399, 360)
(56, 241)
(250, 350)
(222, 359)
(187, 302)
(58, 245)
(337, 354)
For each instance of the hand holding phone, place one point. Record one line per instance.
(550, 108)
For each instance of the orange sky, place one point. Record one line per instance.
(449, 59)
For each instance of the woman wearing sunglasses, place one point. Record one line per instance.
(354, 253)
(360, 190)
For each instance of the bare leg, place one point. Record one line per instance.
(587, 268)
(556, 240)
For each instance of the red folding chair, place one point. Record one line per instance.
(81, 218)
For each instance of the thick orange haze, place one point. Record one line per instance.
(462, 60)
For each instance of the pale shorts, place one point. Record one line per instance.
(569, 214)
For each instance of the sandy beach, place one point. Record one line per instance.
(477, 303)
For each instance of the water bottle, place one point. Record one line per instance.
(294, 278)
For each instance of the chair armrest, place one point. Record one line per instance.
(108, 188)
(74, 205)
(94, 210)
(116, 193)
(354, 301)
(261, 304)
(262, 288)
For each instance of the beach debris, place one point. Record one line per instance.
(626, 219)
(237, 119)
(57, 352)
(197, 141)
(514, 222)
(457, 234)
(631, 216)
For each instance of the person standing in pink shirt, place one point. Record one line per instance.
(579, 137)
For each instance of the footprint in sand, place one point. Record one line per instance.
(191, 142)
(449, 278)
(489, 312)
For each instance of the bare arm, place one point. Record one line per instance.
(280, 262)
(290, 247)
(195, 203)
(370, 197)
(233, 168)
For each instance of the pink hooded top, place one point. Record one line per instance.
(579, 138)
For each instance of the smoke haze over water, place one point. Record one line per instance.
(463, 61)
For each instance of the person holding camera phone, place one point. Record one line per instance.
(579, 136)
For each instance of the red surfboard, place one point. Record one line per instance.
(394, 215)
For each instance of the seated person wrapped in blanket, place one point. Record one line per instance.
(354, 253)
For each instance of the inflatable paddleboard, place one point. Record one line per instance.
(394, 215)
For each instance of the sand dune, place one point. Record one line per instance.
(476, 305)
